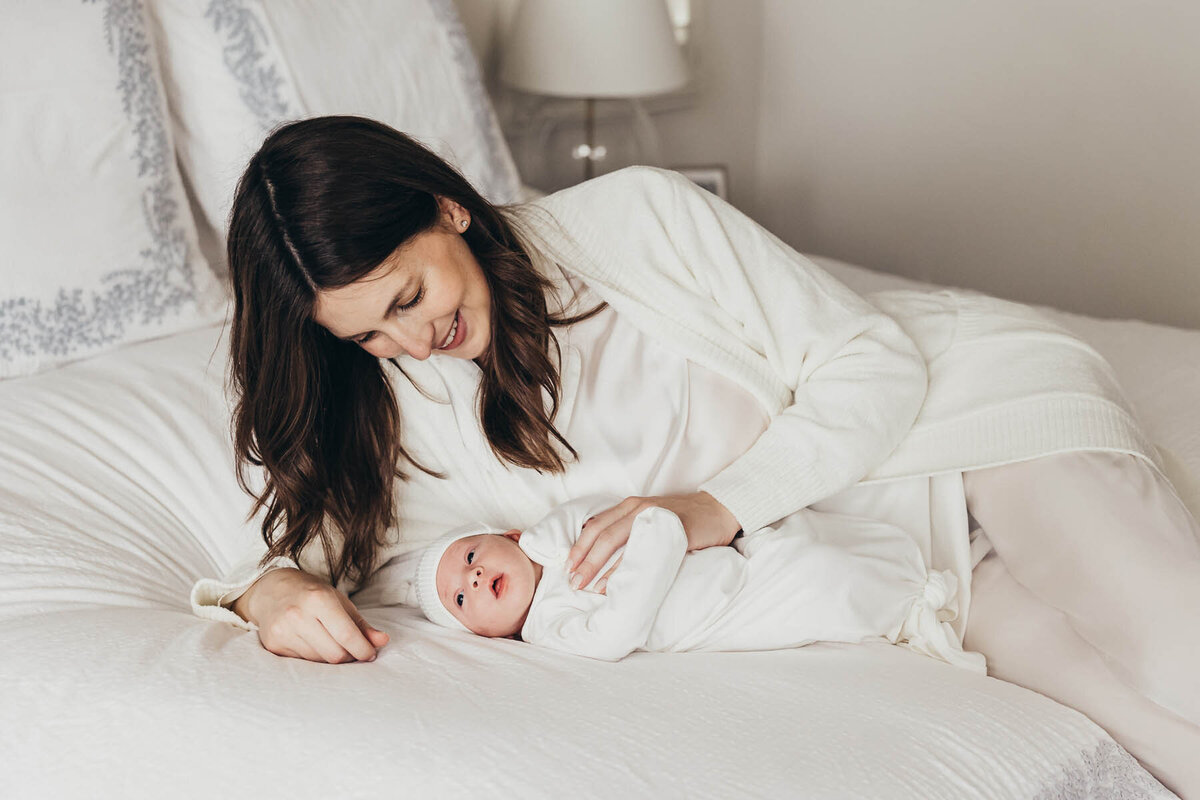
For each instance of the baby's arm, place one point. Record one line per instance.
(611, 626)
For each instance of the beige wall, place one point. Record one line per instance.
(1043, 150)
(722, 125)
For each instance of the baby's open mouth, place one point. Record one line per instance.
(498, 585)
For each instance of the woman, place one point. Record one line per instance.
(637, 336)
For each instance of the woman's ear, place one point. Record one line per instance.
(453, 214)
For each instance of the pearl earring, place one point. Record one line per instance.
(464, 223)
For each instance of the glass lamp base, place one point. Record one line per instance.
(565, 147)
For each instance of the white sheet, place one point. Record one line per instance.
(116, 492)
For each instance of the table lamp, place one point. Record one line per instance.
(600, 51)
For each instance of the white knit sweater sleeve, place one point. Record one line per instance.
(841, 379)
(620, 622)
(857, 379)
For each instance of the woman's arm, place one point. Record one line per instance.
(688, 267)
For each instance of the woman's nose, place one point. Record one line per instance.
(416, 338)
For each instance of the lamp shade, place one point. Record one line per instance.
(592, 48)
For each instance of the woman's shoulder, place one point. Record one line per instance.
(604, 224)
(623, 193)
(636, 179)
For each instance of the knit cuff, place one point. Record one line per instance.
(212, 598)
(766, 484)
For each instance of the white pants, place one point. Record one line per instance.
(1092, 597)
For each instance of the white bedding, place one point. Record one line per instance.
(117, 492)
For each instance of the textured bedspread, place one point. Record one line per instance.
(151, 703)
(117, 492)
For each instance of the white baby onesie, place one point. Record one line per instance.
(813, 576)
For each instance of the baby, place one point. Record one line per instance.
(812, 577)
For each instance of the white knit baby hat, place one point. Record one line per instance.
(427, 593)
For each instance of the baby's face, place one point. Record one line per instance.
(486, 581)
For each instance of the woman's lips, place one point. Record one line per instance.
(459, 326)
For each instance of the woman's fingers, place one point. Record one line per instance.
(601, 586)
(606, 540)
(301, 650)
(592, 530)
(320, 643)
(300, 635)
(350, 630)
(335, 632)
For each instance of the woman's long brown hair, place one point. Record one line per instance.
(321, 204)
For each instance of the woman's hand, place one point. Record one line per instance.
(300, 616)
(706, 522)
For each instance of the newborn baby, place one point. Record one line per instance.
(811, 577)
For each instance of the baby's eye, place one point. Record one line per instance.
(470, 556)
(458, 598)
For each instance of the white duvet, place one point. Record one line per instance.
(117, 492)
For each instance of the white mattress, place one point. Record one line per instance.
(117, 492)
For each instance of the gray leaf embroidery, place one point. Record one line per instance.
(1105, 773)
(243, 54)
(159, 280)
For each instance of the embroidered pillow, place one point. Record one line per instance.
(235, 69)
(99, 246)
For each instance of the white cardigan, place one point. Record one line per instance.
(994, 382)
(897, 384)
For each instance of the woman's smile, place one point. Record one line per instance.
(458, 332)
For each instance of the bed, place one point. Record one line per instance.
(117, 493)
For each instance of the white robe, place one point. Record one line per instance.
(813, 576)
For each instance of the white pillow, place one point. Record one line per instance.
(98, 246)
(235, 69)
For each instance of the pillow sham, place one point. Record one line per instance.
(235, 69)
(99, 247)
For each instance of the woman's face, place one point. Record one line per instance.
(429, 296)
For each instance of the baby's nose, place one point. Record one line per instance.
(477, 578)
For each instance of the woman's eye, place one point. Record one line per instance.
(470, 556)
(400, 307)
(458, 598)
(414, 301)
